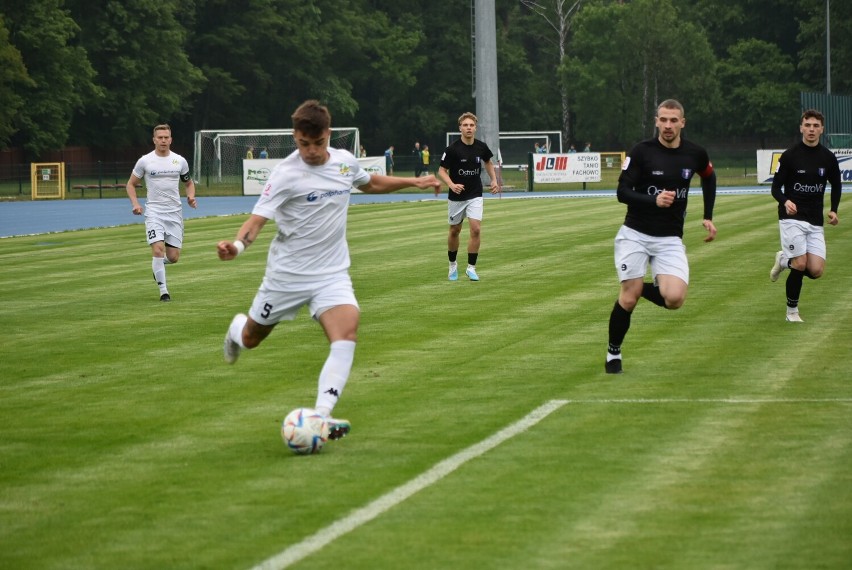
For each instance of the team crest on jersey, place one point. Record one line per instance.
(821, 171)
(345, 170)
(686, 173)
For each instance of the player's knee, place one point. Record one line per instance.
(628, 300)
(798, 263)
(674, 298)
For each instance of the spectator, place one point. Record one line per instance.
(263, 153)
(418, 159)
(425, 155)
(389, 161)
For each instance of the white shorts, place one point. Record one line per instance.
(271, 306)
(165, 227)
(458, 211)
(635, 250)
(799, 238)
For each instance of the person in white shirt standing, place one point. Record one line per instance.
(307, 195)
(162, 171)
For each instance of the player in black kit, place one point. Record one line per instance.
(654, 183)
(804, 172)
(461, 166)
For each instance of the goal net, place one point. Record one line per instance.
(838, 140)
(218, 155)
(515, 146)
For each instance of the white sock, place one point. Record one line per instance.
(335, 373)
(235, 331)
(610, 356)
(158, 266)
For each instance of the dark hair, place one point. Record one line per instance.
(311, 118)
(812, 114)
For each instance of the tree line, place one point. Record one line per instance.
(102, 73)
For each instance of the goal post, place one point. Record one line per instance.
(218, 154)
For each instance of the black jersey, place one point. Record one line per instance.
(464, 165)
(804, 172)
(651, 168)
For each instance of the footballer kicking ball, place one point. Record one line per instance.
(304, 431)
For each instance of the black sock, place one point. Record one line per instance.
(452, 256)
(794, 287)
(471, 258)
(619, 323)
(652, 293)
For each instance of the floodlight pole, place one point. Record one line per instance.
(487, 107)
(828, 47)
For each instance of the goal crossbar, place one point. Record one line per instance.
(218, 153)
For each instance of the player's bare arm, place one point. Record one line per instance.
(380, 184)
(189, 188)
(445, 176)
(711, 230)
(132, 182)
(227, 250)
(489, 168)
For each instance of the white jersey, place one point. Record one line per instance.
(309, 205)
(162, 181)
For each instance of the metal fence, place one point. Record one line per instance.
(735, 164)
(82, 179)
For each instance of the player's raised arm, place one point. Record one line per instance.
(381, 184)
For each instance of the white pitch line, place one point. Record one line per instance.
(324, 536)
(367, 513)
(714, 401)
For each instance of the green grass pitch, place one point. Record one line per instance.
(126, 442)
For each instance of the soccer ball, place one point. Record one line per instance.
(304, 431)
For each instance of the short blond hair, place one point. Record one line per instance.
(468, 115)
(163, 127)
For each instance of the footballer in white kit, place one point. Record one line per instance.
(162, 170)
(307, 195)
